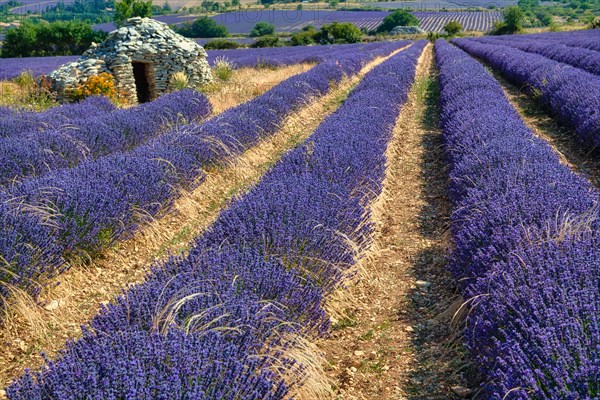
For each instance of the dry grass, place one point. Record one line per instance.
(247, 83)
(82, 290)
(23, 93)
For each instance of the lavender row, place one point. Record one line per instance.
(570, 93)
(38, 151)
(585, 59)
(586, 39)
(73, 212)
(526, 253)
(14, 121)
(281, 56)
(216, 323)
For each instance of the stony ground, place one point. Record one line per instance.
(396, 340)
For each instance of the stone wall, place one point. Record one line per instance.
(139, 40)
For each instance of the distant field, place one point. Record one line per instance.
(11, 67)
(288, 21)
(292, 21)
(34, 6)
(470, 21)
(435, 5)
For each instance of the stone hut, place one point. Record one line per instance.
(142, 56)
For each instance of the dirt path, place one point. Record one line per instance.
(563, 140)
(32, 328)
(396, 341)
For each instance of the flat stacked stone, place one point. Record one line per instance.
(139, 40)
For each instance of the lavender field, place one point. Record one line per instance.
(442, 5)
(36, 6)
(406, 195)
(289, 21)
(12, 67)
(293, 21)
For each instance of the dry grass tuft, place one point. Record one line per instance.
(312, 380)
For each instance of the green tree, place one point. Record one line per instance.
(57, 38)
(307, 36)
(126, 9)
(235, 3)
(203, 27)
(453, 28)
(397, 18)
(336, 32)
(513, 20)
(262, 28)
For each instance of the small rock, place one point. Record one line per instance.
(21, 345)
(2, 393)
(385, 367)
(461, 391)
(53, 305)
(423, 285)
(356, 364)
(409, 329)
(359, 353)
(353, 370)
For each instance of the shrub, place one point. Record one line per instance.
(306, 37)
(261, 29)
(221, 44)
(453, 28)
(397, 18)
(336, 32)
(203, 27)
(60, 38)
(513, 21)
(267, 41)
(102, 84)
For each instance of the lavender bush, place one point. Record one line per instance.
(588, 60)
(526, 252)
(570, 93)
(217, 323)
(17, 122)
(281, 56)
(85, 131)
(85, 208)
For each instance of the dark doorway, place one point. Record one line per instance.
(141, 73)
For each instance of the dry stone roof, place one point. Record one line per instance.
(142, 56)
